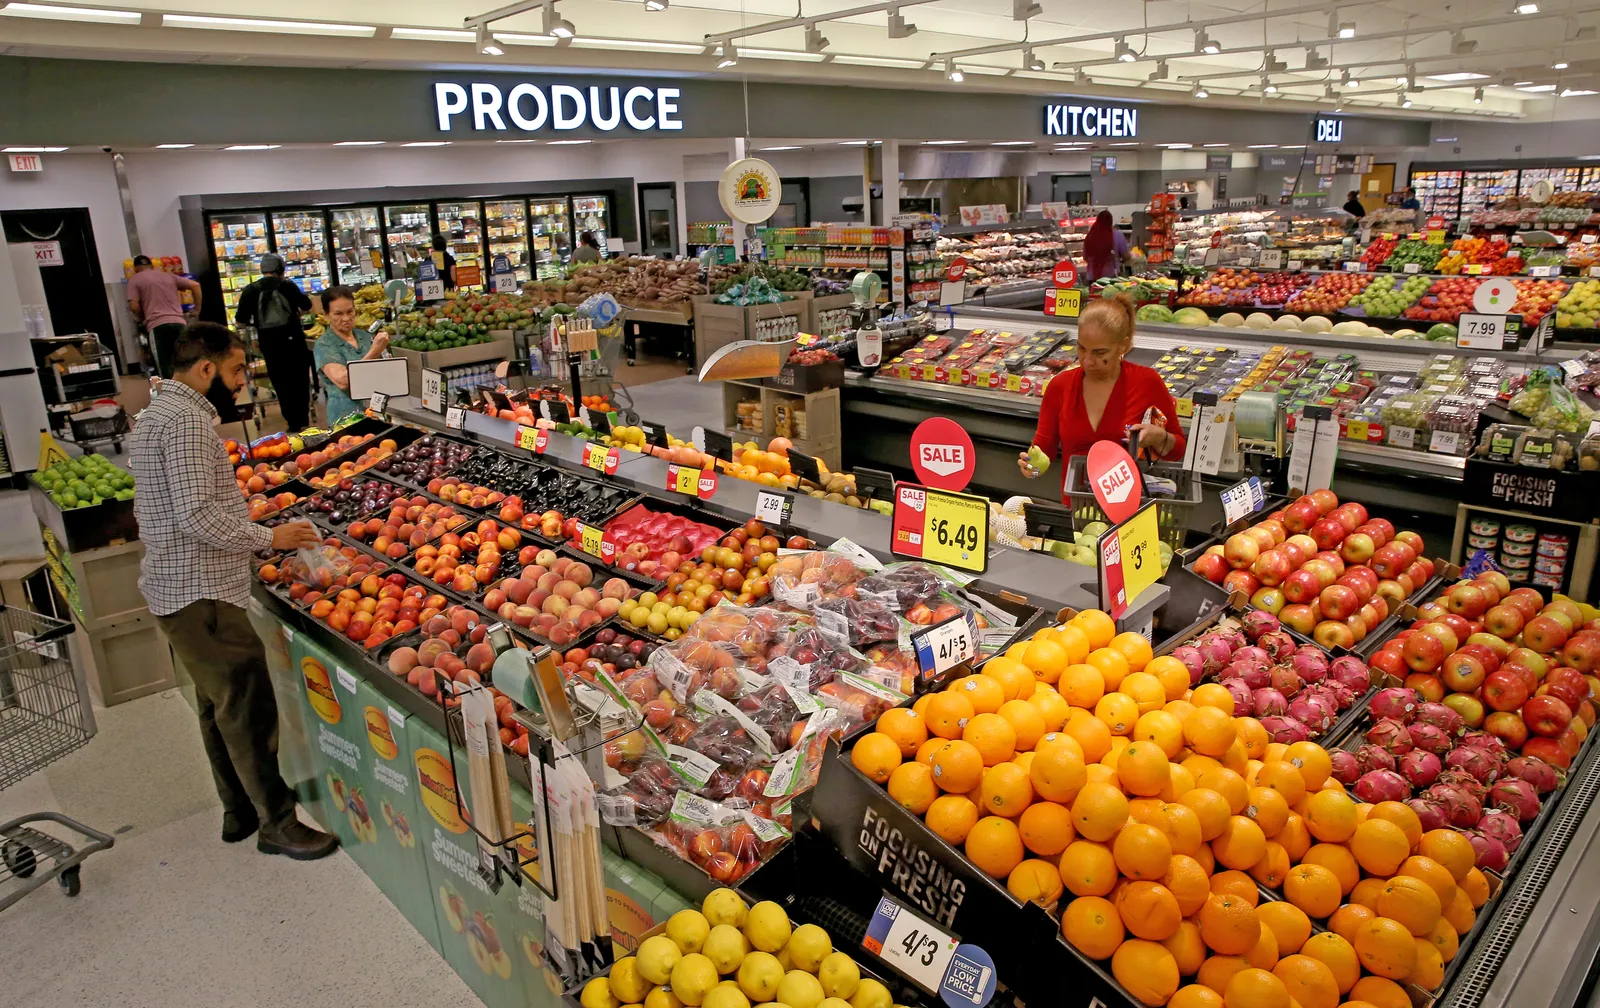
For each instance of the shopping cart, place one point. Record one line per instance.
(44, 715)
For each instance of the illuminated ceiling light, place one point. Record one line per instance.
(560, 27)
(173, 146)
(1347, 29)
(1525, 7)
(1124, 52)
(1315, 60)
(1126, 143)
(1458, 76)
(41, 150)
(1176, 146)
(1022, 10)
(941, 143)
(265, 25)
(899, 27)
(815, 42)
(778, 148)
(1340, 29)
(1032, 62)
(359, 143)
(1160, 72)
(1200, 91)
(655, 5)
(1267, 87)
(432, 35)
(486, 43)
(951, 73)
(1348, 81)
(1460, 45)
(1012, 143)
(1263, 146)
(1538, 88)
(91, 15)
(1204, 43)
(855, 143)
(1214, 145)
(1558, 65)
(243, 147)
(1575, 92)
(566, 143)
(730, 55)
(1477, 96)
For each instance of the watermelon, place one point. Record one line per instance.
(1191, 317)
(1153, 313)
(1442, 332)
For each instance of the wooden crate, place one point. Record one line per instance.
(124, 660)
(823, 435)
(817, 305)
(717, 325)
(497, 349)
(108, 584)
(732, 393)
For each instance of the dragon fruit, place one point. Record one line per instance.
(1477, 762)
(1253, 671)
(1193, 660)
(1474, 738)
(1430, 738)
(1251, 652)
(1461, 779)
(1278, 644)
(1346, 770)
(1420, 767)
(1429, 811)
(1267, 701)
(1516, 796)
(1390, 735)
(1371, 757)
(1257, 622)
(1491, 853)
(1232, 636)
(1396, 702)
(1461, 809)
(1535, 771)
(1314, 711)
(1341, 695)
(1440, 716)
(1287, 730)
(1309, 663)
(1285, 680)
(1351, 671)
(1503, 827)
(1240, 691)
(1382, 785)
(1214, 654)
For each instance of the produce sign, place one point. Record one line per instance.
(592, 540)
(683, 479)
(1115, 479)
(1064, 302)
(1130, 560)
(942, 454)
(533, 439)
(960, 974)
(941, 527)
(601, 459)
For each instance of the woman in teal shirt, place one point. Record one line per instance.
(340, 345)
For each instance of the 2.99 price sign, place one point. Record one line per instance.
(941, 527)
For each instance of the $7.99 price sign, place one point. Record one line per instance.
(941, 527)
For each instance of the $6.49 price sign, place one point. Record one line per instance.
(941, 527)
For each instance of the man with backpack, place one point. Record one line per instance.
(274, 304)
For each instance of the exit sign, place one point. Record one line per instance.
(26, 162)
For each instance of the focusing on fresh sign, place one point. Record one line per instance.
(1090, 121)
(561, 106)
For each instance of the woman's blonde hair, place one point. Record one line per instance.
(1113, 315)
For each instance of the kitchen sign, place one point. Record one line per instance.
(530, 108)
(1091, 121)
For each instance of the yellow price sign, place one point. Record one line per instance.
(526, 436)
(941, 527)
(600, 458)
(686, 480)
(957, 376)
(903, 372)
(928, 372)
(1356, 430)
(1185, 407)
(1130, 560)
(1068, 302)
(1013, 383)
(1436, 236)
(982, 378)
(590, 536)
(1476, 269)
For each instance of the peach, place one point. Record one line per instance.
(430, 651)
(546, 558)
(548, 580)
(561, 565)
(450, 638)
(615, 588)
(478, 633)
(523, 616)
(588, 618)
(505, 611)
(543, 622)
(536, 599)
(534, 573)
(462, 620)
(565, 589)
(493, 599)
(555, 605)
(607, 607)
(449, 664)
(648, 568)
(586, 597)
(562, 634)
(581, 574)
(480, 657)
(671, 559)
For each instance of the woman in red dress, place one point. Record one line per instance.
(1105, 396)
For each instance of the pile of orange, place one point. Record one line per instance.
(769, 467)
(1094, 780)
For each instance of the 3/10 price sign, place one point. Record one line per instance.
(941, 527)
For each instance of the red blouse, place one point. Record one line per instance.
(1064, 429)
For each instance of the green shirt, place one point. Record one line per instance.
(330, 349)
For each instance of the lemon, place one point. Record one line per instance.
(661, 997)
(693, 977)
(688, 930)
(656, 957)
(726, 948)
(626, 982)
(597, 994)
(808, 946)
(726, 995)
(767, 927)
(799, 989)
(834, 1002)
(759, 976)
(871, 994)
(839, 975)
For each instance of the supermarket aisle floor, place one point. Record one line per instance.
(172, 916)
(680, 403)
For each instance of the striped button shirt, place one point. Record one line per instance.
(195, 525)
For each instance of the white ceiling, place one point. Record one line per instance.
(1076, 44)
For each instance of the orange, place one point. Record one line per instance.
(952, 817)
(1228, 784)
(1142, 852)
(957, 767)
(1310, 981)
(1402, 816)
(1092, 735)
(1096, 626)
(1380, 847)
(984, 692)
(1268, 808)
(1087, 868)
(1195, 996)
(1240, 845)
(1235, 759)
(912, 786)
(1380, 992)
(1338, 860)
(1182, 708)
(1210, 807)
(1182, 827)
(1265, 954)
(1145, 689)
(1091, 925)
(1015, 678)
(1366, 893)
(1113, 667)
(926, 750)
(1135, 648)
(1187, 947)
(1052, 707)
(1057, 773)
(1235, 883)
(1331, 816)
(1148, 910)
(948, 713)
(1476, 886)
(1348, 919)
(1172, 674)
(1443, 938)
(995, 846)
(1073, 641)
(1180, 781)
(1162, 728)
(1035, 881)
(1212, 695)
(1386, 948)
(1209, 731)
(1052, 739)
(1255, 988)
(1118, 712)
(1005, 790)
(1313, 889)
(993, 736)
(1081, 685)
(1099, 773)
(1284, 778)
(1187, 882)
(1289, 924)
(1023, 760)
(1254, 737)
(1429, 971)
(1216, 971)
(1099, 811)
(1294, 836)
(1229, 925)
(1146, 970)
(1044, 658)
(1046, 828)
(1312, 761)
(908, 728)
(1027, 724)
(1450, 849)
(876, 755)
(1142, 768)
(1338, 955)
(1412, 902)
(1272, 867)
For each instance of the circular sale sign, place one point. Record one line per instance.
(956, 270)
(942, 455)
(1065, 274)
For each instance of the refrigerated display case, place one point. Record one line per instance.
(591, 213)
(1439, 192)
(357, 246)
(1562, 179)
(409, 236)
(462, 227)
(238, 241)
(507, 224)
(301, 238)
(551, 233)
(1481, 190)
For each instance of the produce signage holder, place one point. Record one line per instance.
(874, 484)
(805, 466)
(946, 645)
(940, 526)
(716, 444)
(960, 974)
(1130, 560)
(701, 483)
(1045, 520)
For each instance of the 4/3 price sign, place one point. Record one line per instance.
(941, 527)
(960, 974)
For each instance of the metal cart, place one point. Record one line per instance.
(44, 715)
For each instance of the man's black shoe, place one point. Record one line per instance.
(297, 841)
(238, 826)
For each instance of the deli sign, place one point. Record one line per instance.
(1091, 121)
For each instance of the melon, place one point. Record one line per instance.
(1316, 324)
(1407, 334)
(1153, 313)
(1443, 332)
(1374, 332)
(1258, 320)
(1191, 317)
(1289, 322)
(1349, 329)
(1232, 319)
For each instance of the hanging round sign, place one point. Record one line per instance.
(1541, 191)
(1065, 274)
(750, 190)
(1115, 478)
(1495, 297)
(942, 455)
(956, 270)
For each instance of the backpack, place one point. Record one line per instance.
(273, 310)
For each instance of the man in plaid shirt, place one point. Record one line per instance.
(195, 575)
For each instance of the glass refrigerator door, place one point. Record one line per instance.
(1439, 192)
(302, 241)
(358, 246)
(552, 242)
(410, 239)
(238, 241)
(462, 226)
(589, 213)
(508, 235)
(1481, 190)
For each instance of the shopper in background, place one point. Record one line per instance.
(1105, 396)
(1352, 205)
(154, 300)
(274, 304)
(1105, 248)
(341, 344)
(588, 248)
(195, 576)
(1414, 205)
(445, 261)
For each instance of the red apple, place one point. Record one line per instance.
(1301, 515)
(1507, 726)
(1547, 749)
(1241, 580)
(1346, 518)
(1490, 659)
(1544, 634)
(1272, 567)
(1491, 590)
(1428, 686)
(1468, 706)
(1357, 548)
(1333, 634)
(1461, 671)
(1546, 715)
(1240, 551)
(1379, 536)
(1527, 600)
(1325, 572)
(1504, 620)
(1302, 585)
(1458, 626)
(1339, 602)
(1327, 500)
(1306, 544)
(1389, 661)
(1499, 580)
(1391, 590)
(1539, 663)
(1423, 652)
(1386, 561)
(1441, 632)
(1294, 553)
(1279, 533)
(1358, 584)
(1568, 684)
(1581, 651)
(1328, 533)
(1299, 618)
(1212, 567)
(1263, 538)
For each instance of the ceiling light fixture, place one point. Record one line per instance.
(1575, 92)
(36, 150)
(899, 27)
(1177, 146)
(1403, 99)
(730, 55)
(1460, 45)
(1022, 10)
(359, 143)
(1267, 87)
(1328, 91)
(1126, 143)
(238, 147)
(815, 42)
(566, 143)
(1272, 64)
(89, 14)
(1558, 65)
(1031, 62)
(1124, 52)
(941, 143)
(1160, 72)
(486, 43)
(1348, 81)
(432, 35)
(1477, 96)
(518, 140)
(1012, 143)
(855, 143)
(1340, 29)
(1347, 29)
(778, 148)
(951, 73)
(173, 146)
(560, 27)
(265, 25)
(1525, 7)
(1538, 88)
(1262, 146)
(1458, 76)
(655, 5)
(1315, 60)
(1200, 91)
(1204, 43)
(427, 143)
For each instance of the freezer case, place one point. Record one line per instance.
(462, 227)
(551, 234)
(301, 238)
(409, 237)
(238, 241)
(507, 225)
(1439, 192)
(357, 246)
(592, 213)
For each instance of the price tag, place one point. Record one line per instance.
(505, 283)
(1574, 367)
(774, 508)
(941, 527)
(1475, 269)
(532, 438)
(1271, 258)
(601, 459)
(1594, 271)
(1238, 500)
(1589, 239)
(378, 402)
(1481, 332)
(1356, 430)
(1355, 267)
(700, 483)
(1130, 560)
(1411, 268)
(1312, 453)
(1296, 265)
(1066, 303)
(1544, 271)
(592, 539)
(910, 944)
(928, 372)
(1185, 407)
(455, 418)
(1013, 383)
(1213, 256)
(432, 390)
(1208, 438)
(1447, 442)
(430, 290)
(943, 647)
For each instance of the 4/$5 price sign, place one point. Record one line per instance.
(941, 527)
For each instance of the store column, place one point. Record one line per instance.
(891, 180)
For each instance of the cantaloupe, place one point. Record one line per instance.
(1316, 324)
(1407, 334)
(1374, 332)
(1258, 320)
(1232, 319)
(1351, 328)
(1289, 322)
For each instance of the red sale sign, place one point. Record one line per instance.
(956, 270)
(1115, 479)
(1065, 274)
(942, 454)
